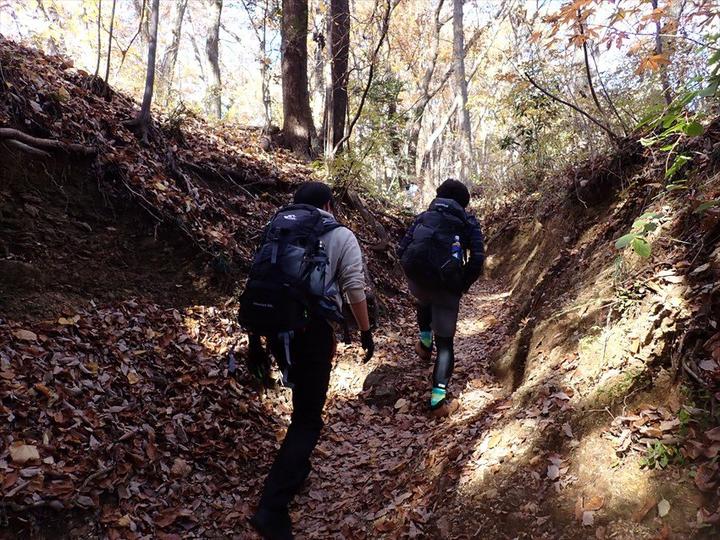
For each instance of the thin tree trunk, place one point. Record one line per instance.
(265, 68)
(99, 41)
(587, 66)
(298, 127)
(144, 119)
(196, 48)
(110, 36)
(167, 64)
(418, 111)
(144, 28)
(664, 80)
(339, 47)
(212, 50)
(463, 117)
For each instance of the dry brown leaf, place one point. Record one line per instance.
(25, 335)
(22, 453)
(596, 502)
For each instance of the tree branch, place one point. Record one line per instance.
(594, 120)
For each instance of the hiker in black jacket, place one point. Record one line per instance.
(442, 255)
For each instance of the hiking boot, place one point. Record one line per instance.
(422, 351)
(272, 525)
(445, 408)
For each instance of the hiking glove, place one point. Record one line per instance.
(366, 340)
(258, 361)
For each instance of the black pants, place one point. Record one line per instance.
(311, 354)
(437, 310)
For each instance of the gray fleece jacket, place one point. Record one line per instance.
(346, 262)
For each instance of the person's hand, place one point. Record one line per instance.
(258, 361)
(368, 345)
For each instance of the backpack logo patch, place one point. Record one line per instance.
(291, 217)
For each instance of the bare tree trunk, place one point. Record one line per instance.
(263, 57)
(196, 48)
(339, 47)
(298, 127)
(265, 67)
(384, 26)
(664, 80)
(463, 117)
(167, 64)
(413, 134)
(110, 36)
(144, 28)
(212, 50)
(144, 119)
(99, 42)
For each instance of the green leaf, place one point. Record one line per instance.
(669, 119)
(650, 215)
(714, 58)
(707, 205)
(648, 141)
(650, 227)
(680, 160)
(624, 241)
(676, 187)
(641, 247)
(709, 91)
(687, 97)
(694, 129)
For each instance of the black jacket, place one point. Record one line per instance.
(471, 240)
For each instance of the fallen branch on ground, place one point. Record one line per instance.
(46, 144)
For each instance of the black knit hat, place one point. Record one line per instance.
(455, 190)
(315, 194)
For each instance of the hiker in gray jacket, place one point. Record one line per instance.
(311, 349)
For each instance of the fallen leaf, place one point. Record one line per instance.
(553, 472)
(568, 430)
(596, 502)
(588, 518)
(22, 453)
(663, 508)
(25, 335)
(713, 434)
(400, 403)
(181, 468)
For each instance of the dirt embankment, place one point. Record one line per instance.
(630, 344)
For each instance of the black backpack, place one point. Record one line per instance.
(288, 283)
(428, 260)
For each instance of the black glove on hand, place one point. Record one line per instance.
(366, 340)
(258, 360)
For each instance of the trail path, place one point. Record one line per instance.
(385, 468)
(506, 465)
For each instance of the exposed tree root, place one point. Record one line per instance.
(35, 144)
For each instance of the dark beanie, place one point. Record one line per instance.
(315, 194)
(455, 190)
